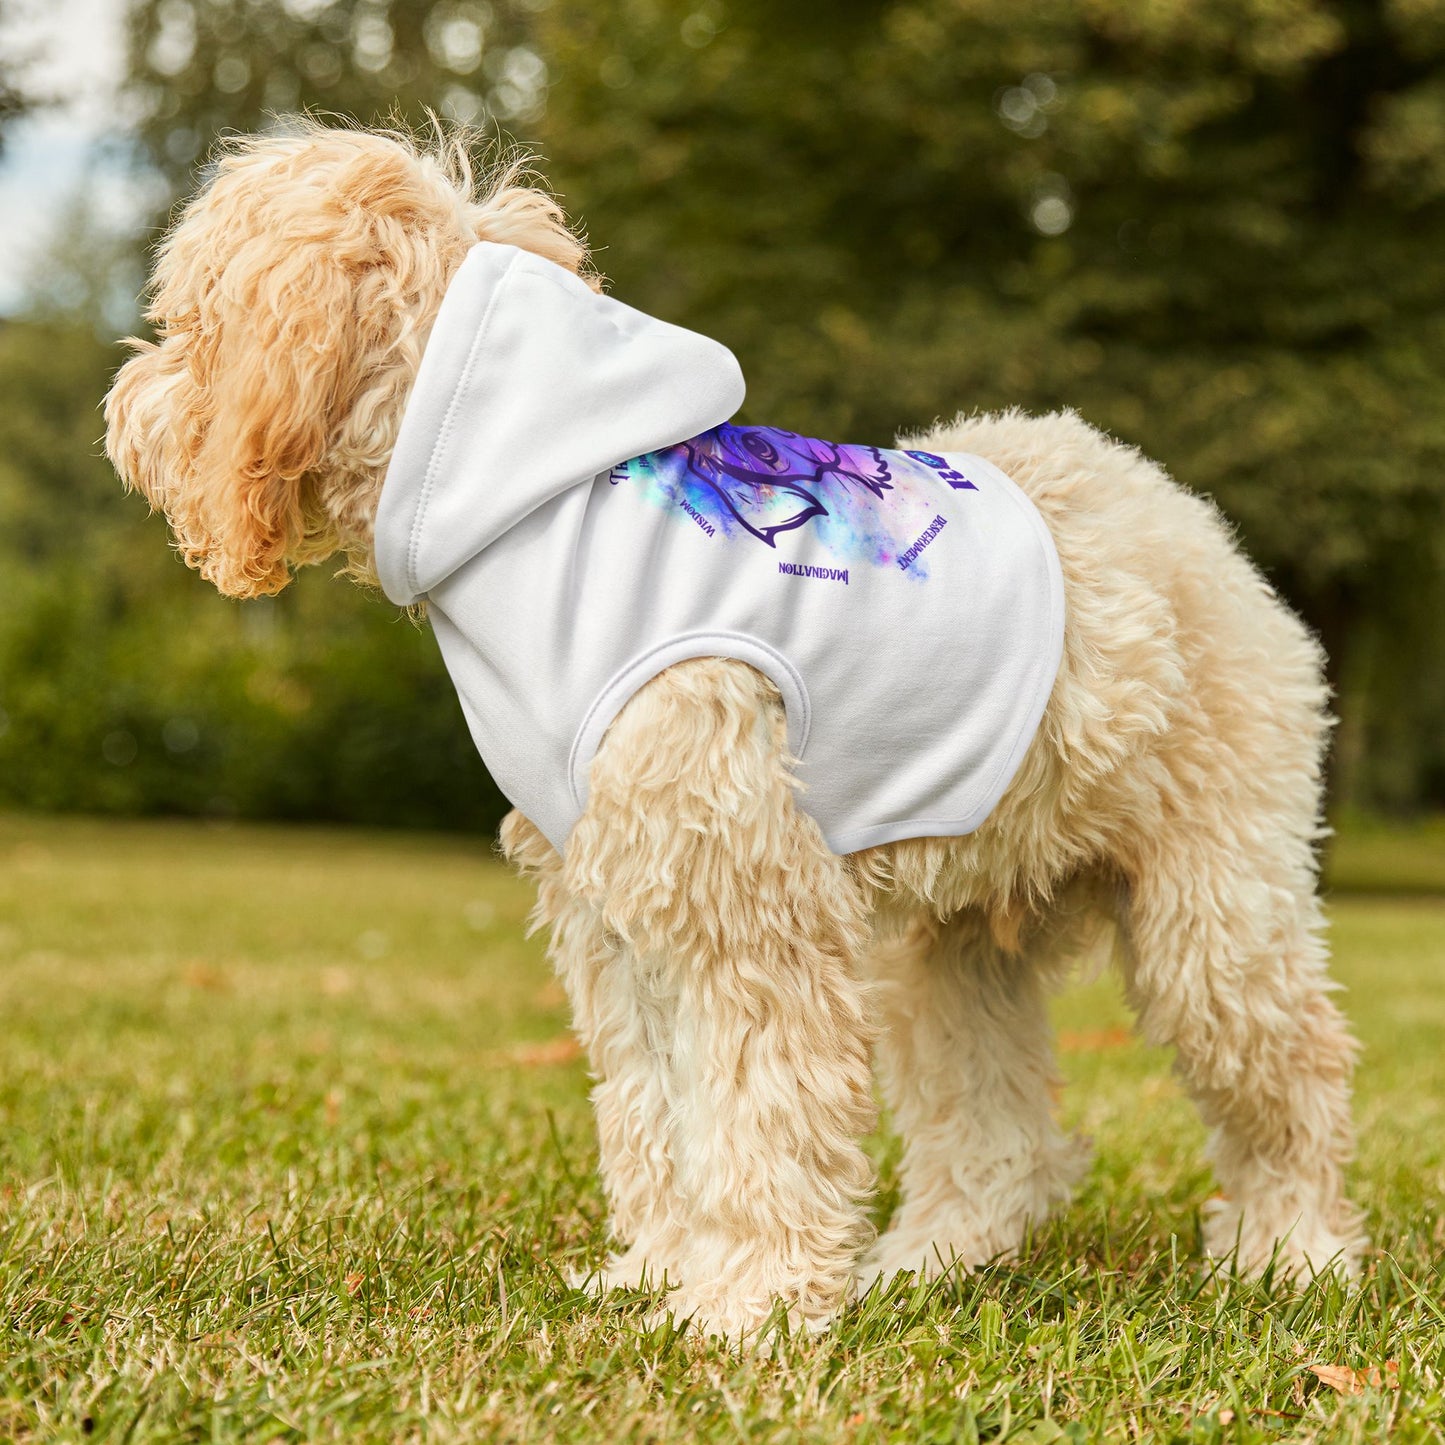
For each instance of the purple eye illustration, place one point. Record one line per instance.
(764, 482)
(770, 481)
(757, 445)
(763, 502)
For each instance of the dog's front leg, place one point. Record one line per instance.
(739, 931)
(622, 1012)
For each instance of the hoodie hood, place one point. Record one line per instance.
(530, 384)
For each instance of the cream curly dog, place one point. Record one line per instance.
(732, 976)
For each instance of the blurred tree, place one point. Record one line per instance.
(127, 685)
(202, 67)
(15, 97)
(1215, 227)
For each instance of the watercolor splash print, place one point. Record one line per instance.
(763, 484)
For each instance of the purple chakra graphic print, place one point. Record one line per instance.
(864, 505)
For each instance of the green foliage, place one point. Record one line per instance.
(282, 1158)
(284, 710)
(1216, 229)
(128, 686)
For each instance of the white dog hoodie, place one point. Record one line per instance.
(568, 496)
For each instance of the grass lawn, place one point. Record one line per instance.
(293, 1146)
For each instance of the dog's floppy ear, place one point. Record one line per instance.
(273, 354)
(278, 287)
(144, 412)
(221, 422)
(292, 301)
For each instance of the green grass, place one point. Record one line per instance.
(284, 1155)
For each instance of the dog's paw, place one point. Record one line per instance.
(1299, 1245)
(956, 1242)
(753, 1324)
(966, 1228)
(633, 1270)
(900, 1253)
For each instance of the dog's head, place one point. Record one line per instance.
(291, 302)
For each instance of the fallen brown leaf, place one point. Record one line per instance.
(560, 1050)
(203, 975)
(1096, 1041)
(354, 1283)
(1347, 1381)
(551, 995)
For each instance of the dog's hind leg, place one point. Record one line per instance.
(1225, 961)
(696, 857)
(966, 1060)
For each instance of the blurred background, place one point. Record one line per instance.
(1214, 227)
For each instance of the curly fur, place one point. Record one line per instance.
(729, 976)
(292, 301)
